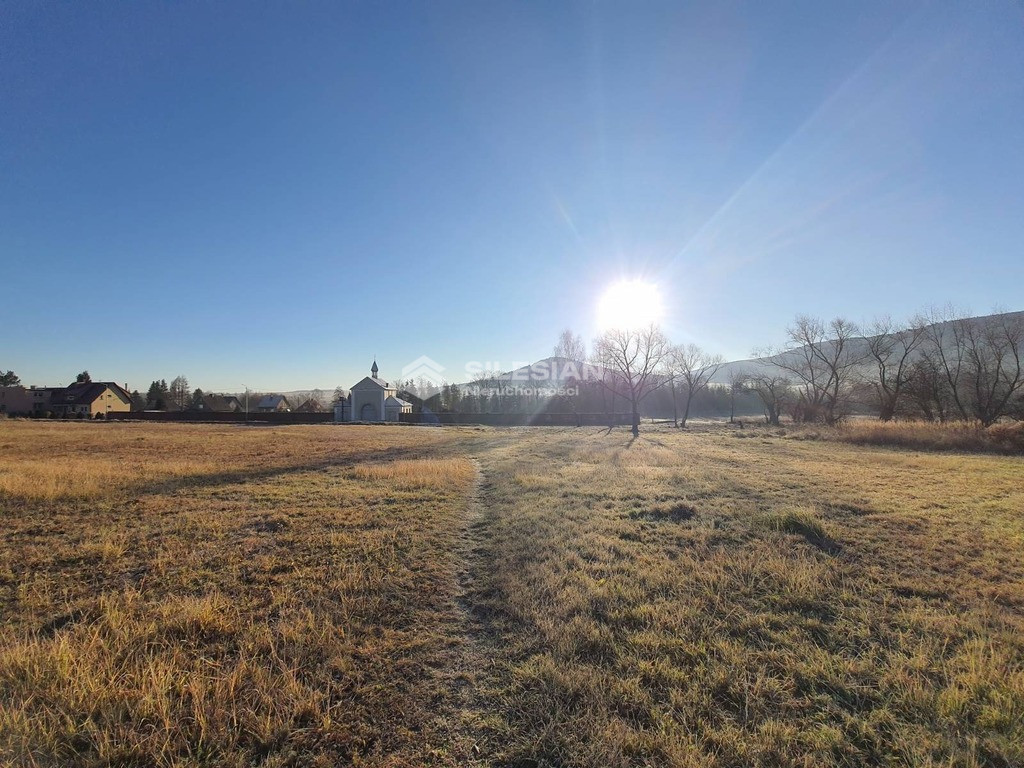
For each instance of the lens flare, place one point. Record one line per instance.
(629, 304)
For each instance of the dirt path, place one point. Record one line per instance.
(462, 718)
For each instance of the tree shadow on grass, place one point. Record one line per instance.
(654, 441)
(168, 485)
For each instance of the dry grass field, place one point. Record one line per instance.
(195, 595)
(205, 595)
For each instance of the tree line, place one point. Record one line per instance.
(938, 366)
(941, 365)
(178, 395)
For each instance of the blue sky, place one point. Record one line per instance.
(271, 194)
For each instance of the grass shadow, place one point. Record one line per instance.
(806, 525)
(235, 477)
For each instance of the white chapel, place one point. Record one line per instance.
(371, 399)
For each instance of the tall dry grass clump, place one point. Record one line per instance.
(90, 477)
(969, 437)
(417, 473)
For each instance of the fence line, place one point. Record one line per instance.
(285, 417)
(485, 419)
(520, 419)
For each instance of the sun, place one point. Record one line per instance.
(629, 304)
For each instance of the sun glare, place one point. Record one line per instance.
(629, 304)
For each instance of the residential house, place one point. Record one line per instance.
(89, 399)
(41, 399)
(273, 403)
(218, 404)
(15, 400)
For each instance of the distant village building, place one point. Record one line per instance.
(41, 399)
(273, 403)
(218, 404)
(371, 399)
(85, 399)
(15, 400)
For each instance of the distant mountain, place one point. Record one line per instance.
(858, 348)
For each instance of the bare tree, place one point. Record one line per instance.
(947, 347)
(773, 390)
(822, 359)
(690, 369)
(994, 365)
(892, 351)
(1016, 409)
(633, 357)
(610, 385)
(736, 383)
(179, 391)
(316, 401)
(981, 361)
(570, 346)
(927, 390)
